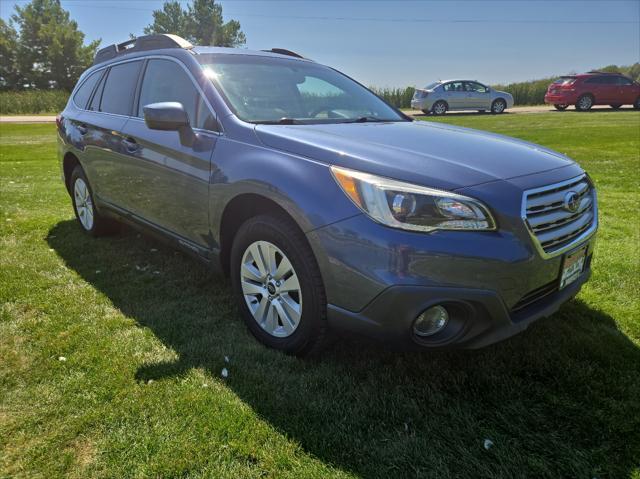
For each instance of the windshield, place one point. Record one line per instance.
(274, 90)
(564, 80)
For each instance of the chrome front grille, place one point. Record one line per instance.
(560, 215)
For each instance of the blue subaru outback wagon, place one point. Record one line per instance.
(328, 208)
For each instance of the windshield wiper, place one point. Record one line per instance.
(367, 119)
(282, 121)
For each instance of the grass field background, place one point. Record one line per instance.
(111, 353)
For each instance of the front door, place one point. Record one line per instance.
(455, 95)
(478, 96)
(168, 182)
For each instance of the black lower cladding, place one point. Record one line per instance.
(477, 317)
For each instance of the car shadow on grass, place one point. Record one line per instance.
(560, 400)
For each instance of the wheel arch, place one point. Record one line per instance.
(69, 163)
(247, 205)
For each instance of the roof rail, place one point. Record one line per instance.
(604, 73)
(284, 51)
(147, 42)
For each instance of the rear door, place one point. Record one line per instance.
(167, 183)
(103, 123)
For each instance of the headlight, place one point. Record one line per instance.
(412, 207)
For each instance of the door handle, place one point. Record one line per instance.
(82, 128)
(130, 144)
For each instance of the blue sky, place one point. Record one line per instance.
(400, 43)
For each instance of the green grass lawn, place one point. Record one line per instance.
(111, 352)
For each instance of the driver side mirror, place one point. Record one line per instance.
(169, 116)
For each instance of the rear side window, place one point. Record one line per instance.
(81, 96)
(117, 95)
(165, 80)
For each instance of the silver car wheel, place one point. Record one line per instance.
(84, 205)
(499, 106)
(439, 108)
(585, 102)
(271, 289)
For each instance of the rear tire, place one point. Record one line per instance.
(498, 106)
(616, 106)
(561, 106)
(84, 207)
(584, 103)
(439, 108)
(292, 320)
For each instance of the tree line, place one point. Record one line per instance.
(42, 48)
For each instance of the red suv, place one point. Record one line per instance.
(593, 88)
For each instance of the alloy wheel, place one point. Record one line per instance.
(499, 106)
(585, 103)
(271, 289)
(439, 108)
(83, 203)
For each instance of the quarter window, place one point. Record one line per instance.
(165, 80)
(117, 95)
(83, 93)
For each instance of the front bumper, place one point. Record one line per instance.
(556, 99)
(484, 319)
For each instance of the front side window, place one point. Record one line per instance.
(83, 93)
(476, 87)
(278, 90)
(624, 81)
(165, 80)
(117, 94)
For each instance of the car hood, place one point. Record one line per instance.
(421, 152)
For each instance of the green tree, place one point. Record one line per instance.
(51, 51)
(201, 23)
(9, 75)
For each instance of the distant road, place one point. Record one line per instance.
(27, 119)
(515, 110)
(519, 110)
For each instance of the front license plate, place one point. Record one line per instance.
(572, 266)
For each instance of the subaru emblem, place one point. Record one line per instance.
(571, 201)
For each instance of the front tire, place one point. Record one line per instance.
(90, 220)
(584, 103)
(426, 112)
(439, 108)
(278, 286)
(636, 105)
(498, 106)
(561, 106)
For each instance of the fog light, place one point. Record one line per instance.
(431, 321)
